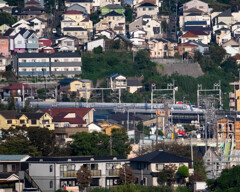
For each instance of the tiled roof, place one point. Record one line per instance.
(60, 118)
(65, 54)
(8, 115)
(187, 45)
(67, 80)
(221, 23)
(113, 13)
(160, 157)
(198, 32)
(237, 56)
(32, 55)
(77, 159)
(227, 13)
(194, 10)
(79, 111)
(147, 5)
(188, 34)
(114, 6)
(74, 29)
(12, 157)
(73, 12)
(32, 115)
(195, 23)
(15, 86)
(32, 2)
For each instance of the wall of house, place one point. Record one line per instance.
(152, 11)
(4, 47)
(95, 44)
(5, 125)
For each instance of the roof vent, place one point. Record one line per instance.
(69, 160)
(41, 160)
(114, 158)
(160, 150)
(92, 159)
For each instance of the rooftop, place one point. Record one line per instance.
(160, 157)
(113, 13)
(114, 6)
(32, 55)
(147, 5)
(13, 158)
(65, 54)
(74, 29)
(73, 12)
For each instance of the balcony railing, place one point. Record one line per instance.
(94, 173)
(113, 172)
(231, 95)
(34, 64)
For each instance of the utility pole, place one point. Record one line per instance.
(191, 150)
(157, 124)
(23, 95)
(110, 142)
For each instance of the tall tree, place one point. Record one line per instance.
(6, 18)
(84, 177)
(167, 175)
(127, 175)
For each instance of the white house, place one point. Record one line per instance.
(95, 43)
(117, 81)
(219, 26)
(94, 127)
(38, 25)
(147, 9)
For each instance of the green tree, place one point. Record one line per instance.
(217, 53)
(230, 66)
(127, 175)
(6, 18)
(11, 103)
(128, 13)
(116, 44)
(183, 173)
(98, 50)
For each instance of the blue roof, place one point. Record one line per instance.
(195, 23)
(12, 157)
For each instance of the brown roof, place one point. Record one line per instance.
(32, 2)
(79, 111)
(237, 56)
(9, 114)
(188, 34)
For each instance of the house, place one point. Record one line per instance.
(117, 81)
(4, 62)
(30, 12)
(231, 43)
(3, 28)
(112, 20)
(69, 121)
(147, 9)
(44, 42)
(107, 33)
(31, 64)
(137, 3)
(52, 173)
(197, 4)
(138, 43)
(133, 85)
(32, 43)
(10, 165)
(228, 132)
(38, 25)
(94, 127)
(223, 35)
(146, 167)
(234, 97)
(77, 7)
(112, 7)
(16, 90)
(202, 48)
(5, 46)
(232, 50)
(187, 48)
(161, 48)
(219, 26)
(225, 17)
(196, 35)
(3, 4)
(68, 86)
(87, 4)
(8, 119)
(41, 120)
(30, 3)
(78, 32)
(237, 57)
(146, 23)
(46, 49)
(66, 63)
(66, 44)
(138, 33)
(95, 43)
(125, 43)
(212, 163)
(236, 29)
(108, 127)
(17, 43)
(75, 18)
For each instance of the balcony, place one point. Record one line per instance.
(32, 46)
(33, 73)
(231, 104)
(66, 64)
(34, 64)
(94, 173)
(113, 172)
(231, 95)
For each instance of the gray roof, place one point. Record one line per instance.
(74, 29)
(160, 157)
(114, 6)
(113, 13)
(77, 159)
(65, 54)
(227, 13)
(222, 23)
(32, 55)
(147, 5)
(12, 157)
(133, 82)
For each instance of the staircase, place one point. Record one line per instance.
(31, 181)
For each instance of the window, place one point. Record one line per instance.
(1, 167)
(50, 168)
(71, 167)
(19, 42)
(11, 168)
(9, 121)
(159, 167)
(144, 9)
(22, 121)
(51, 184)
(94, 166)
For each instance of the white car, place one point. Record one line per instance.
(54, 30)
